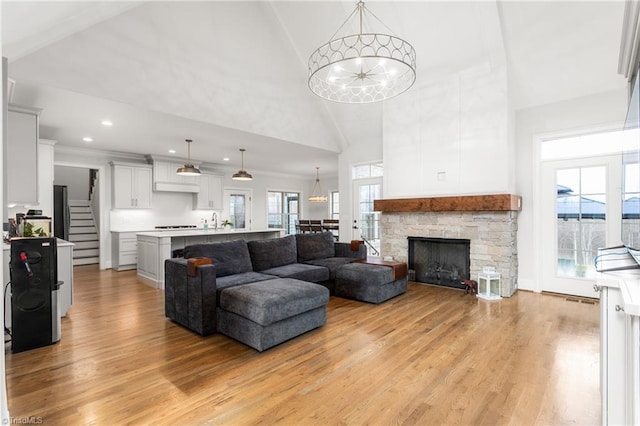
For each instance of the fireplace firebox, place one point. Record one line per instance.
(440, 261)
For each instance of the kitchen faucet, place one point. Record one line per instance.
(214, 221)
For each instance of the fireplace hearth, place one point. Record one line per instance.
(440, 261)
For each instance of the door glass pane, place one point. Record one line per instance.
(291, 212)
(370, 220)
(581, 219)
(274, 214)
(631, 203)
(237, 211)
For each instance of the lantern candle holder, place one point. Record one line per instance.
(489, 284)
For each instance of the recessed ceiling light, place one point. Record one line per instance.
(172, 151)
(106, 123)
(87, 139)
(225, 159)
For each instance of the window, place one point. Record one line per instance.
(237, 211)
(367, 171)
(335, 205)
(283, 210)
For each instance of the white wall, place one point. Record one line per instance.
(75, 178)
(573, 116)
(449, 136)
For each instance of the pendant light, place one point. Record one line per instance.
(242, 173)
(316, 194)
(368, 66)
(188, 169)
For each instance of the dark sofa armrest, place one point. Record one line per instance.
(344, 250)
(190, 301)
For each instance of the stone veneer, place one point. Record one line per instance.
(492, 235)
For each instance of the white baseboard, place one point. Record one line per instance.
(529, 285)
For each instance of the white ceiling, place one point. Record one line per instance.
(233, 75)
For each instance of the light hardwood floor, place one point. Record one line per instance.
(431, 356)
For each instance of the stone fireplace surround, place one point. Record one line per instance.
(493, 232)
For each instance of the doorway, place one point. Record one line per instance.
(237, 206)
(581, 212)
(89, 221)
(366, 222)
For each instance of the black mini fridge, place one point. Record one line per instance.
(34, 293)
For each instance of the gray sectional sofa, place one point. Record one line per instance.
(261, 293)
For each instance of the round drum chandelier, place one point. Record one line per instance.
(363, 67)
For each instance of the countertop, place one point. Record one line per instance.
(61, 243)
(629, 284)
(200, 231)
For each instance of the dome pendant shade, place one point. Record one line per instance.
(188, 169)
(242, 173)
(316, 194)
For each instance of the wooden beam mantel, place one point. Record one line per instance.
(468, 203)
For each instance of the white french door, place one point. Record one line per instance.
(366, 222)
(581, 211)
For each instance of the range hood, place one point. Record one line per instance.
(165, 178)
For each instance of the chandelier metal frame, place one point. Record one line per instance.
(364, 67)
(317, 195)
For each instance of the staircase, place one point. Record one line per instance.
(83, 233)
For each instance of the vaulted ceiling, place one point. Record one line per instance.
(233, 75)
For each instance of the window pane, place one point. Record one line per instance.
(593, 180)
(581, 227)
(335, 205)
(283, 210)
(237, 213)
(376, 170)
(367, 170)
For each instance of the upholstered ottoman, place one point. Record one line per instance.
(267, 313)
(368, 283)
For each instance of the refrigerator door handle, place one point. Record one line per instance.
(67, 221)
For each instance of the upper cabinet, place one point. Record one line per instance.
(165, 177)
(22, 155)
(131, 186)
(210, 195)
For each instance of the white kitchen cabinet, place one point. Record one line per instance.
(620, 347)
(124, 250)
(22, 155)
(131, 186)
(165, 177)
(210, 195)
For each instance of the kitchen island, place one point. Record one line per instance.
(157, 246)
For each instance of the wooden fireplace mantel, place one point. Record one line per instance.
(466, 203)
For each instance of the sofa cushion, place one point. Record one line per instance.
(331, 263)
(274, 252)
(239, 279)
(266, 302)
(243, 278)
(229, 257)
(318, 245)
(300, 271)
